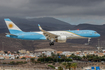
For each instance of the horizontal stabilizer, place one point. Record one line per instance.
(11, 34)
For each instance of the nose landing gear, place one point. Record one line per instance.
(88, 41)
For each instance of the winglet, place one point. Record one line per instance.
(40, 27)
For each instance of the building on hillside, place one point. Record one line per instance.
(47, 53)
(66, 53)
(100, 54)
(6, 57)
(28, 52)
(2, 57)
(8, 52)
(22, 51)
(67, 56)
(59, 52)
(85, 53)
(103, 51)
(44, 50)
(1, 52)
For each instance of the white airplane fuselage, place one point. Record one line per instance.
(70, 34)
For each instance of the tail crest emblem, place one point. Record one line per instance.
(10, 25)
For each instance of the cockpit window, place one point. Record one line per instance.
(95, 32)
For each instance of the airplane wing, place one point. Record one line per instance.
(48, 34)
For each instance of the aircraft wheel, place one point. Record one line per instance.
(51, 43)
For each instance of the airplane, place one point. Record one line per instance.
(53, 36)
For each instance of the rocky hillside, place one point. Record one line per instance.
(16, 44)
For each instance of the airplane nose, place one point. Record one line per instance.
(98, 35)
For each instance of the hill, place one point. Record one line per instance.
(9, 44)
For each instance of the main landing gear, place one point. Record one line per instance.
(52, 42)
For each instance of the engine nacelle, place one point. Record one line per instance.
(61, 39)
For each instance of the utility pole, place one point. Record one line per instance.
(99, 47)
(56, 54)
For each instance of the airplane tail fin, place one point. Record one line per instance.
(13, 29)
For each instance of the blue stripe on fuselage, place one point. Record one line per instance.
(28, 36)
(85, 33)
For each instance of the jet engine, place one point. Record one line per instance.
(61, 39)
